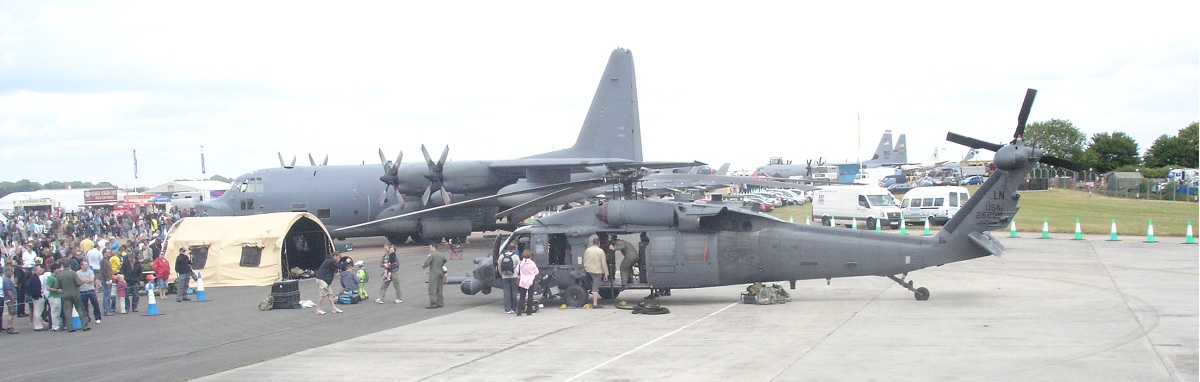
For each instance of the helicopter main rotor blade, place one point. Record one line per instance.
(570, 189)
(972, 142)
(1059, 162)
(1024, 116)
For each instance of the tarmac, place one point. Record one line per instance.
(1048, 310)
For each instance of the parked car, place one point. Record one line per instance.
(773, 201)
(900, 188)
(974, 180)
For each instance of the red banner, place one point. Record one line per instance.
(108, 195)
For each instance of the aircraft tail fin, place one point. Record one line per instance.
(992, 207)
(884, 150)
(900, 150)
(970, 154)
(723, 170)
(612, 127)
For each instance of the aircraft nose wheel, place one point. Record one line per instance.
(921, 294)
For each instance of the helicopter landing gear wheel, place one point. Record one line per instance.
(575, 296)
(921, 293)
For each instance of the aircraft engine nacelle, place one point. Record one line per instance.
(432, 229)
(638, 212)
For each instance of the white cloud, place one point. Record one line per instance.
(717, 82)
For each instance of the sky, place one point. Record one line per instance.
(85, 83)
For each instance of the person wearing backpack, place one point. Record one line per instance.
(390, 265)
(506, 267)
(528, 272)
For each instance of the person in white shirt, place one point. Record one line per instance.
(94, 257)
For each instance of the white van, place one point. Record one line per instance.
(938, 203)
(868, 205)
(188, 199)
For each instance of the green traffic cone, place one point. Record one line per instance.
(854, 223)
(1045, 228)
(878, 225)
(1078, 232)
(1190, 239)
(790, 220)
(903, 225)
(1113, 235)
(926, 233)
(1012, 228)
(807, 219)
(1150, 232)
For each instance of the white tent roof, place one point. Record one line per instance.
(231, 242)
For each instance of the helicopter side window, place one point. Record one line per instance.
(560, 249)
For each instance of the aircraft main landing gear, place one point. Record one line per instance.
(921, 293)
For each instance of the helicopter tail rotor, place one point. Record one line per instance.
(1018, 136)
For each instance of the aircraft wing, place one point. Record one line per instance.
(677, 181)
(479, 201)
(579, 164)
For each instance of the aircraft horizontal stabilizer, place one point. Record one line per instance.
(986, 242)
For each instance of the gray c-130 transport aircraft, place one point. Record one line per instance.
(695, 245)
(349, 198)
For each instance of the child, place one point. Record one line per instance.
(362, 280)
(121, 286)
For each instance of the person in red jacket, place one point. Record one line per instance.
(162, 272)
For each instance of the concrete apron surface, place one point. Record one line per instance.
(1048, 310)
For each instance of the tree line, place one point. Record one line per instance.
(25, 185)
(1116, 151)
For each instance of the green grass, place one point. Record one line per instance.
(1095, 213)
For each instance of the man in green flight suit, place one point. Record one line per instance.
(436, 263)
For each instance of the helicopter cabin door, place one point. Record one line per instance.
(681, 260)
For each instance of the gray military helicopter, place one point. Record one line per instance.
(696, 245)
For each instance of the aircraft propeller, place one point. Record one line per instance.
(436, 175)
(314, 163)
(390, 177)
(281, 164)
(1018, 135)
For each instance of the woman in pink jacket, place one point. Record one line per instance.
(527, 271)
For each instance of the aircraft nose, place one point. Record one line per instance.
(213, 208)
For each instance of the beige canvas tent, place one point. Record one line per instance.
(251, 250)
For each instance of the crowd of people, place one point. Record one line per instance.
(91, 262)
